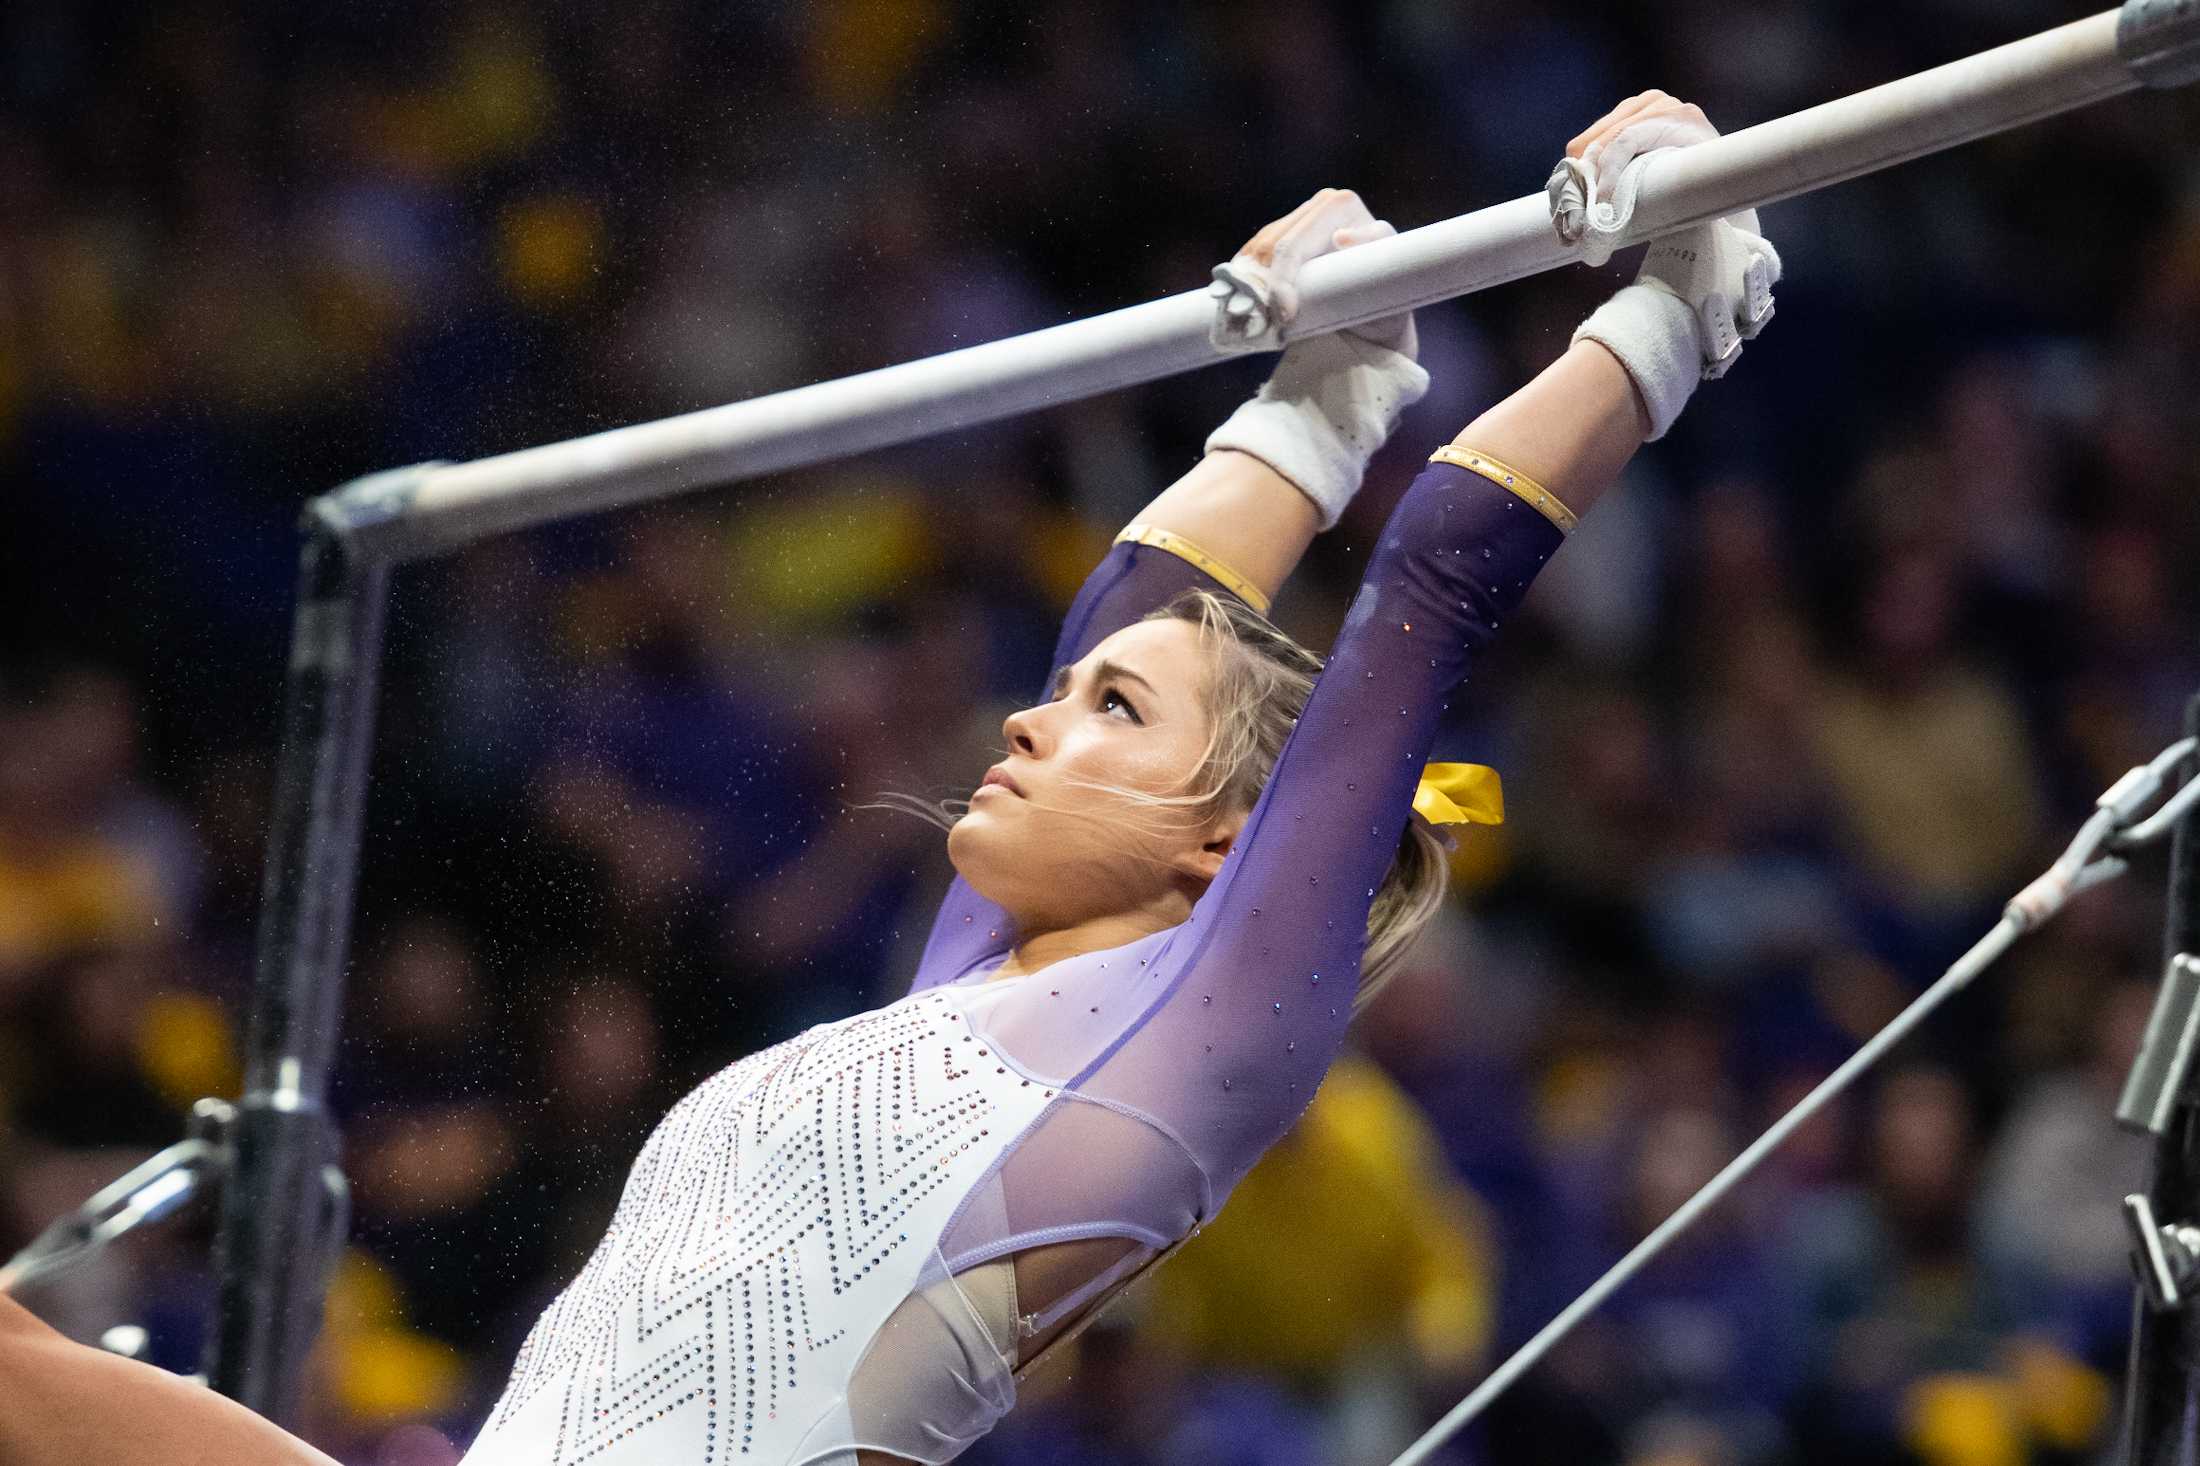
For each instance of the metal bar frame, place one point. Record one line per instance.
(282, 1214)
(2162, 1381)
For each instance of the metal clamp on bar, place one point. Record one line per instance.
(2164, 1258)
(2160, 40)
(2165, 1051)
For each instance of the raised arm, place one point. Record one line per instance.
(1240, 511)
(1239, 1011)
(1284, 466)
(1275, 474)
(1570, 430)
(1225, 1025)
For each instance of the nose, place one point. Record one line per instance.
(1023, 731)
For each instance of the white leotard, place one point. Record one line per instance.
(774, 1222)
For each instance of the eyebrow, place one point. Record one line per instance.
(1107, 671)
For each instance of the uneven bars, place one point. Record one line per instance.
(281, 1207)
(432, 508)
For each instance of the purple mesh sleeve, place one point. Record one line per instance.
(1132, 580)
(1219, 1031)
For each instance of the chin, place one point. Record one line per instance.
(998, 861)
(968, 849)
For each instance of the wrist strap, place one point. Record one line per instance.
(1653, 333)
(1331, 403)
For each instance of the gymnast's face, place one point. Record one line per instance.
(1055, 845)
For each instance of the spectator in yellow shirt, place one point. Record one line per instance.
(1350, 1263)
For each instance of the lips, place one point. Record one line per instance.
(998, 775)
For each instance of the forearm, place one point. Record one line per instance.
(1285, 465)
(1572, 429)
(67, 1403)
(1244, 513)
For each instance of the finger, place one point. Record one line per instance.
(1624, 110)
(1756, 297)
(1243, 295)
(1759, 276)
(1664, 127)
(1593, 152)
(1680, 122)
(1614, 118)
(1262, 246)
(1659, 107)
(1353, 234)
(1315, 232)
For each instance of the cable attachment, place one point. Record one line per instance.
(2166, 1051)
(2164, 1258)
(144, 1194)
(2114, 826)
(2137, 789)
(2160, 40)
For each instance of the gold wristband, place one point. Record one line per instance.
(1498, 472)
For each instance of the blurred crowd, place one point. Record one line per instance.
(1794, 713)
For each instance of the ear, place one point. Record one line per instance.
(1204, 862)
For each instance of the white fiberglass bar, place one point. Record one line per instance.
(438, 507)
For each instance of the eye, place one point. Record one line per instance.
(1113, 695)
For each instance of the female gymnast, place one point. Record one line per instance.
(1200, 853)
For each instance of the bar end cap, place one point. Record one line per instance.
(2159, 40)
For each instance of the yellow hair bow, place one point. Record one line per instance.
(1459, 794)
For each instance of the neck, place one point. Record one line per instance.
(1044, 949)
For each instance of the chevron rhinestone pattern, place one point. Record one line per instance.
(775, 1219)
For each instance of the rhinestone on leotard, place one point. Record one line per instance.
(740, 1241)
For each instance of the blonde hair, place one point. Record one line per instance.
(1259, 683)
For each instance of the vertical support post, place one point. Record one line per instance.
(281, 1216)
(2162, 1388)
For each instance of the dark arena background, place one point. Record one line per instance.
(1841, 669)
